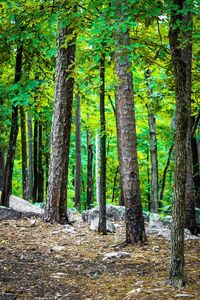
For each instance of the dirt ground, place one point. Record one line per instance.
(50, 261)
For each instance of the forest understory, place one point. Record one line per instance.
(48, 261)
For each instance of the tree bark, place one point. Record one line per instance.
(7, 188)
(25, 187)
(78, 155)
(135, 231)
(190, 220)
(153, 148)
(30, 156)
(61, 127)
(89, 201)
(2, 167)
(177, 263)
(40, 165)
(196, 173)
(102, 201)
(35, 161)
(165, 173)
(97, 168)
(148, 183)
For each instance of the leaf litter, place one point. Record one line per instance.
(41, 261)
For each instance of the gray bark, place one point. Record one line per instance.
(61, 127)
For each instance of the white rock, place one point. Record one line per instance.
(116, 255)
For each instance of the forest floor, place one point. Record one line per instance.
(50, 261)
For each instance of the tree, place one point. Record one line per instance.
(7, 188)
(25, 186)
(153, 147)
(89, 200)
(78, 155)
(102, 199)
(180, 22)
(61, 125)
(135, 231)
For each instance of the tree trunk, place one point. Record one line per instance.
(153, 148)
(2, 167)
(61, 127)
(196, 173)
(78, 155)
(177, 264)
(165, 174)
(148, 183)
(7, 188)
(35, 161)
(114, 184)
(97, 168)
(30, 155)
(89, 202)
(135, 231)
(102, 201)
(25, 187)
(40, 166)
(190, 220)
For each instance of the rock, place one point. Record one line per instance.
(184, 296)
(24, 206)
(95, 223)
(9, 214)
(197, 210)
(71, 216)
(70, 229)
(115, 255)
(57, 249)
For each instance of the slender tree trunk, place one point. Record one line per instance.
(102, 203)
(196, 173)
(148, 183)
(35, 161)
(25, 187)
(153, 148)
(97, 168)
(78, 155)
(61, 127)
(30, 155)
(7, 188)
(2, 167)
(114, 184)
(177, 265)
(165, 174)
(135, 231)
(40, 165)
(89, 202)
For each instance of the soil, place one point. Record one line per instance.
(49, 261)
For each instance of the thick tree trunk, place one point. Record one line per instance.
(97, 168)
(165, 173)
(30, 155)
(35, 162)
(25, 187)
(61, 127)
(78, 155)
(135, 231)
(7, 188)
(153, 148)
(177, 265)
(40, 166)
(89, 201)
(102, 201)
(190, 220)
